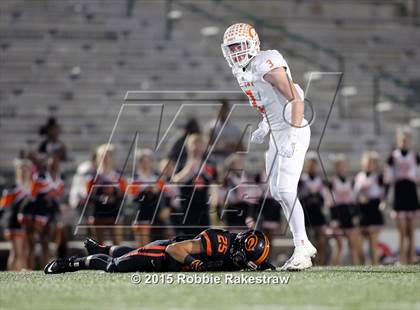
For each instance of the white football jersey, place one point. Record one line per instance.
(267, 99)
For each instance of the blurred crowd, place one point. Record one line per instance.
(196, 186)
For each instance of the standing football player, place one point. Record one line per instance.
(265, 78)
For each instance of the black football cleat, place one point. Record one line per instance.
(94, 247)
(59, 265)
(62, 265)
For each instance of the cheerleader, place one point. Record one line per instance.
(12, 200)
(369, 190)
(194, 181)
(106, 191)
(344, 216)
(312, 195)
(39, 215)
(145, 194)
(402, 173)
(170, 203)
(239, 196)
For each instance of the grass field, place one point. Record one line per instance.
(319, 288)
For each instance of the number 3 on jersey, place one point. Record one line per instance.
(251, 97)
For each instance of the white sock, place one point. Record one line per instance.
(294, 214)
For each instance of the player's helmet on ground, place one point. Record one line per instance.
(250, 250)
(240, 44)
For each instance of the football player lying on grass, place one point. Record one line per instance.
(211, 250)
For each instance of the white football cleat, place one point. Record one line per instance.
(301, 258)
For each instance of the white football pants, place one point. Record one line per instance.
(283, 177)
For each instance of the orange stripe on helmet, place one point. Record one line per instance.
(264, 254)
(251, 31)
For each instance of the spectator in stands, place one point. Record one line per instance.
(229, 140)
(344, 216)
(107, 189)
(145, 193)
(369, 190)
(12, 200)
(194, 181)
(52, 143)
(178, 153)
(402, 173)
(313, 191)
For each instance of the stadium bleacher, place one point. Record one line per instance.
(77, 61)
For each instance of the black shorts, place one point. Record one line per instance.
(9, 220)
(106, 211)
(312, 207)
(346, 215)
(41, 210)
(236, 213)
(196, 220)
(370, 213)
(405, 196)
(147, 204)
(271, 210)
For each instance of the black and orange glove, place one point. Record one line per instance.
(199, 265)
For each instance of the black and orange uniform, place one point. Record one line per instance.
(401, 172)
(105, 195)
(312, 190)
(194, 196)
(46, 193)
(221, 251)
(216, 244)
(369, 190)
(12, 201)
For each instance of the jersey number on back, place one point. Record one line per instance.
(222, 241)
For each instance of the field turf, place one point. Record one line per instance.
(320, 288)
